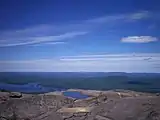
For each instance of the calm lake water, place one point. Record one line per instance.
(74, 94)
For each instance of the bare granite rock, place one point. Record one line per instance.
(104, 105)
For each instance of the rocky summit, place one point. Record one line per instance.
(100, 105)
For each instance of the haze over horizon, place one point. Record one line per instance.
(80, 36)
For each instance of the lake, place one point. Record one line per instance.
(51, 81)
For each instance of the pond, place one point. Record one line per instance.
(75, 94)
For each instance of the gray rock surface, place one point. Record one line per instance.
(107, 105)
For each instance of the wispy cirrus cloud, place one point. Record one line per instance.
(51, 32)
(140, 15)
(121, 17)
(139, 39)
(142, 62)
(49, 43)
(43, 39)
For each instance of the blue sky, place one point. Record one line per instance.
(80, 35)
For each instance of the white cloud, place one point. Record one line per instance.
(139, 39)
(142, 62)
(43, 39)
(140, 15)
(114, 55)
(49, 43)
(50, 32)
(121, 17)
(53, 43)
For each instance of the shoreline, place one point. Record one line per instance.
(89, 93)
